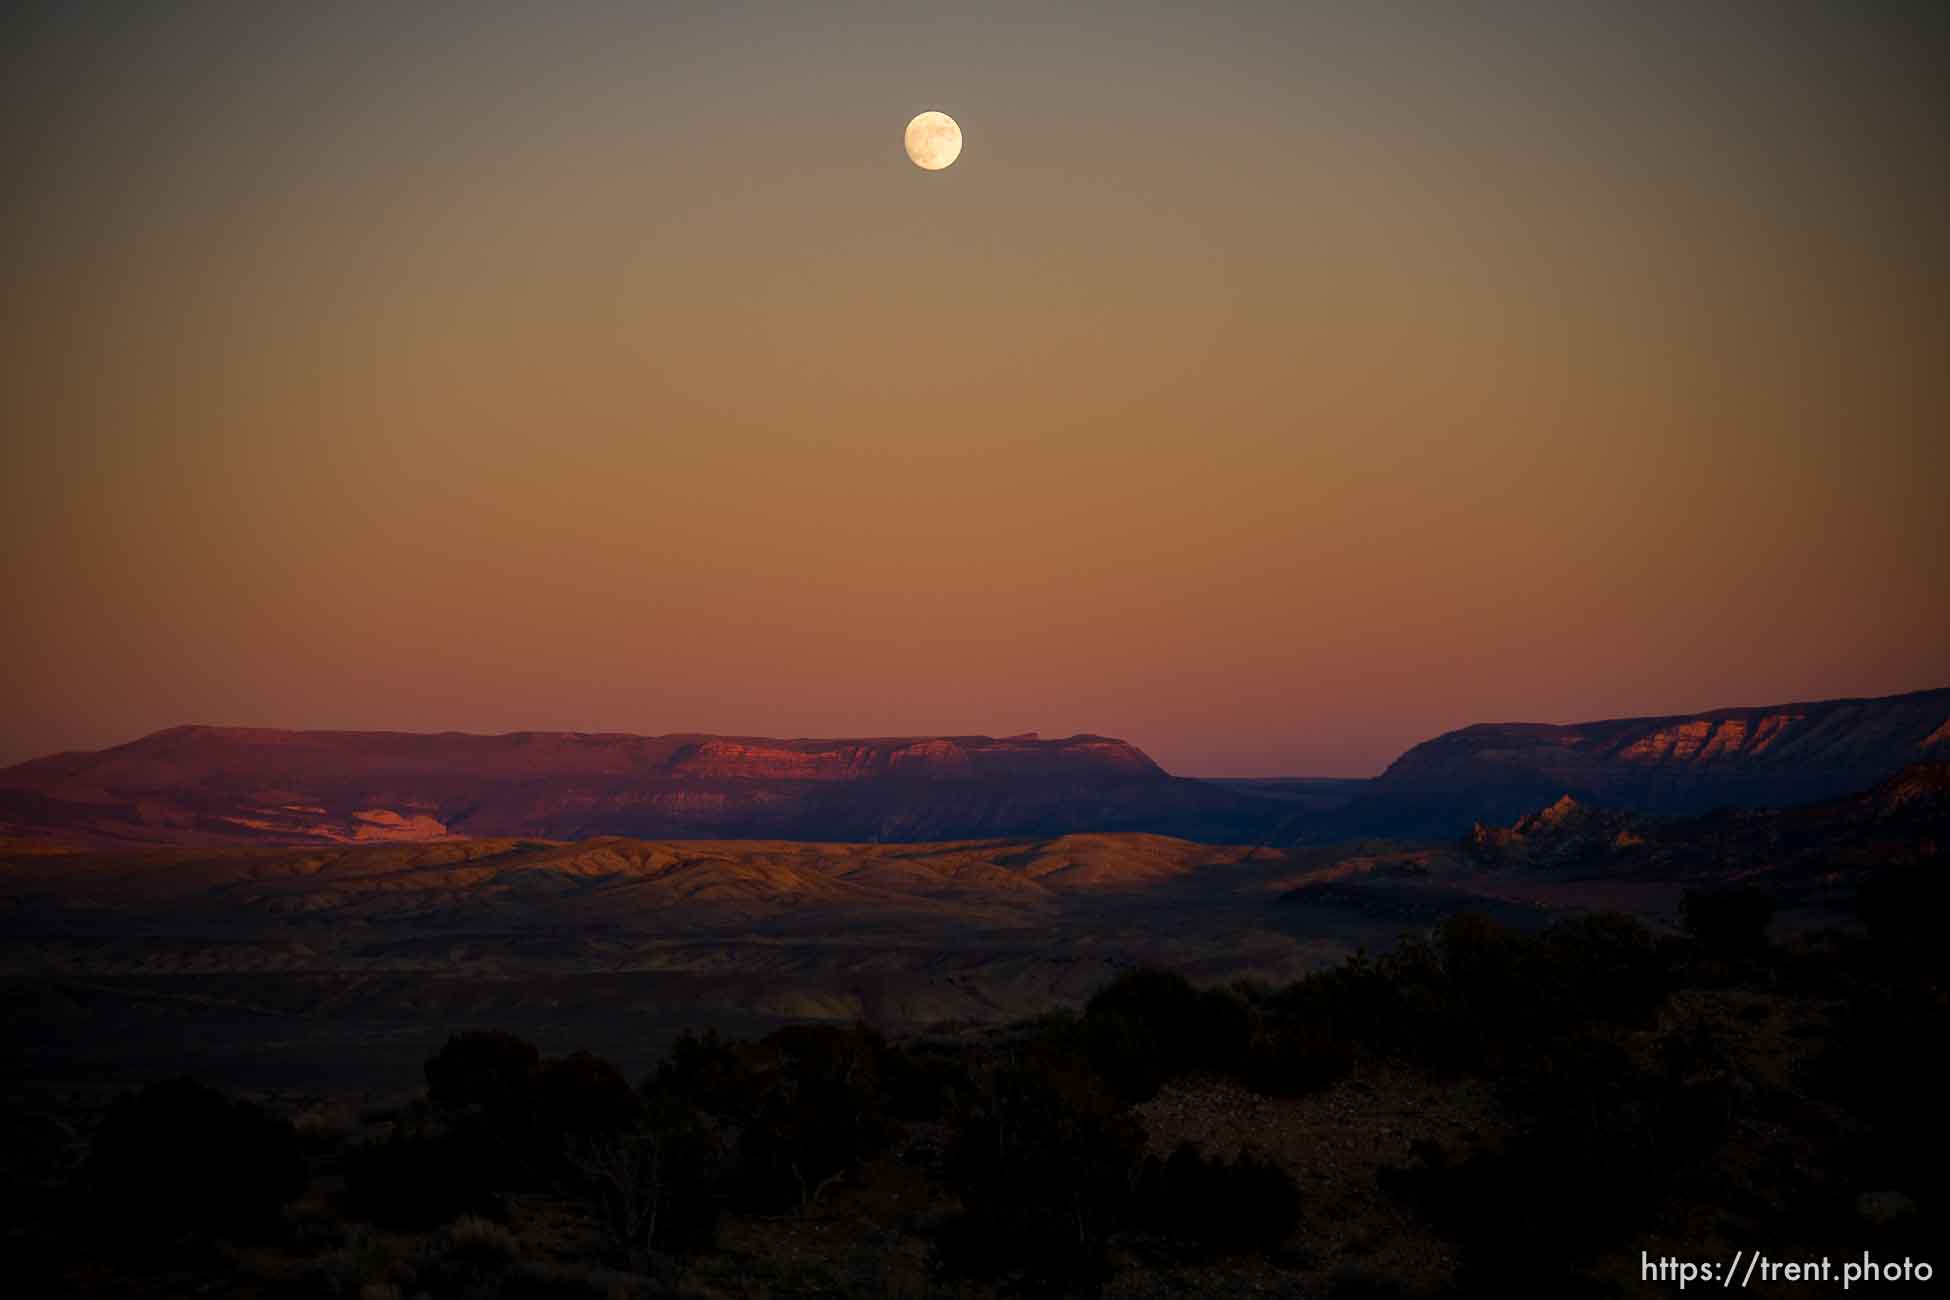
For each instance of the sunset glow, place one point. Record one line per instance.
(1275, 393)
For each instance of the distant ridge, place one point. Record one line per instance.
(1680, 764)
(223, 785)
(212, 785)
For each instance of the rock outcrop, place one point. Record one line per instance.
(1903, 821)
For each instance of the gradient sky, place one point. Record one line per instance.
(1272, 385)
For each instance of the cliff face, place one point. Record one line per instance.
(941, 758)
(212, 785)
(1567, 831)
(1749, 757)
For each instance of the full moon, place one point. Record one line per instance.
(933, 140)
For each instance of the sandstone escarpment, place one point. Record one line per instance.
(1772, 756)
(192, 785)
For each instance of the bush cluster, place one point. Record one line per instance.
(499, 1118)
(179, 1158)
(1474, 995)
(806, 1104)
(1043, 1150)
(1148, 1026)
(1042, 1159)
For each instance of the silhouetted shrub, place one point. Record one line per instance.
(1042, 1158)
(180, 1157)
(1612, 963)
(1248, 1204)
(693, 1176)
(1224, 1024)
(1163, 998)
(1124, 1052)
(1516, 994)
(493, 1094)
(704, 1071)
(1691, 1047)
(1320, 996)
(427, 1171)
(811, 1113)
(1360, 998)
(1730, 924)
(362, 1266)
(1597, 1142)
(584, 1096)
(1402, 1004)
(1881, 1063)
(655, 1188)
(921, 1082)
(1149, 1025)
(1475, 994)
(486, 1070)
(805, 1106)
(469, 1257)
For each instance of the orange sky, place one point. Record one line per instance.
(1270, 389)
